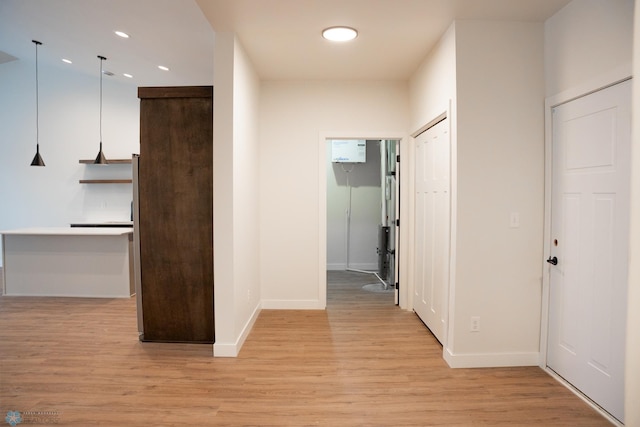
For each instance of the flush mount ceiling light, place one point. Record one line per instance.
(163, 68)
(127, 75)
(37, 159)
(122, 34)
(339, 34)
(67, 61)
(100, 158)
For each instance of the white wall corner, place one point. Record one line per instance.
(490, 360)
(222, 349)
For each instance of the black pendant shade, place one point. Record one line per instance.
(37, 159)
(100, 158)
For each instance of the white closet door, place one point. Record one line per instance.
(432, 225)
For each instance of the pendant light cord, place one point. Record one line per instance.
(102, 58)
(37, 159)
(37, 99)
(100, 159)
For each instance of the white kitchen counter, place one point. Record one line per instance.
(69, 231)
(68, 262)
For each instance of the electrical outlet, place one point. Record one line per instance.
(475, 324)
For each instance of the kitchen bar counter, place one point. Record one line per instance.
(68, 231)
(68, 262)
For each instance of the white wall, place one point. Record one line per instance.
(69, 131)
(500, 171)
(585, 40)
(589, 44)
(632, 386)
(492, 73)
(432, 88)
(432, 92)
(366, 208)
(246, 150)
(294, 115)
(236, 172)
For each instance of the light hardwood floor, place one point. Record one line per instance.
(362, 362)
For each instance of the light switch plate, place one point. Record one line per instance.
(514, 220)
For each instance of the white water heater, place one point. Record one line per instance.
(348, 151)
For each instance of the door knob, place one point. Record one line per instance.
(553, 261)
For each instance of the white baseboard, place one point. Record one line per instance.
(274, 304)
(338, 266)
(221, 349)
(491, 360)
(225, 350)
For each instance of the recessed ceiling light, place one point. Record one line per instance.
(339, 34)
(68, 61)
(122, 34)
(163, 68)
(127, 75)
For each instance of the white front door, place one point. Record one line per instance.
(589, 244)
(432, 219)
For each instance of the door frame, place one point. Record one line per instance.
(322, 203)
(605, 81)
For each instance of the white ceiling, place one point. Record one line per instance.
(282, 37)
(169, 32)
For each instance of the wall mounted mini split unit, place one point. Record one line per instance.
(348, 151)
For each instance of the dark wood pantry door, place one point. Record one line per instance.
(175, 186)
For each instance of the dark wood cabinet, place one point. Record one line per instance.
(175, 208)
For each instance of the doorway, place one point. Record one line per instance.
(588, 254)
(361, 216)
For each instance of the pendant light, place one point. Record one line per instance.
(100, 158)
(37, 159)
